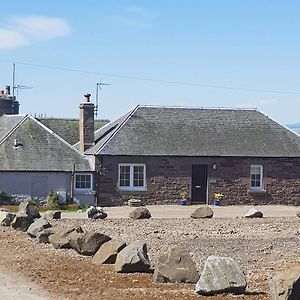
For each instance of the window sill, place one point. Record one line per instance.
(132, 189)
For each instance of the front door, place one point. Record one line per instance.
(199, 183)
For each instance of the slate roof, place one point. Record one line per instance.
(148, 130)
(40, 149)
(68, 129)
(7, 123)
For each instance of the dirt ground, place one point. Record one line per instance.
(261, 246)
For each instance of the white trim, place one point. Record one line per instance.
(131, 187)
(257, 188)
(83, 189)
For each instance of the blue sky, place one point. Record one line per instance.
(251, 44)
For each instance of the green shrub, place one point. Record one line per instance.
(6, 198)
(85, 207)
(33, 202)
(52, 199)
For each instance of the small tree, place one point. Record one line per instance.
(52, 199)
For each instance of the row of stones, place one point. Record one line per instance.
(220, 274)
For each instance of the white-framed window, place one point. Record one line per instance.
(256, 177)
(83, 181)
(132, 177)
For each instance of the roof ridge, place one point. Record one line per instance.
(14, 127)
(130, 113)
(67, 119)
(197, 107)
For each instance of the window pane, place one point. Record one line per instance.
(83, 181)
(124, 175)
(138, 176)
(255, 175)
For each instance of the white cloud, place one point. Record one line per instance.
(11, 39)
(136, 17)
(20, 31)
(134, 24)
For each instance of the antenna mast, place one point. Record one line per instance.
(13, 79)
(98, 88)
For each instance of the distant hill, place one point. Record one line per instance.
(295, 127)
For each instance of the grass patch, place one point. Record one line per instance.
(69, 208)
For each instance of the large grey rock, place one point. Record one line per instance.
(107, 253)
(31, 210)
(21, 222)
(43, 236)
(37, 226)
(221, 275)
(6, 218)
(140, 213)
(61, 238)
(298, 214)
(202, 212)
(176, 266)
(52, 215)
(286, 285)
(87, 243)
(96, 213)
(133, 258)
(254, 213)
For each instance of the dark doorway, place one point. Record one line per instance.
(199, 183)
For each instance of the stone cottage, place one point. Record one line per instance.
(155, 153)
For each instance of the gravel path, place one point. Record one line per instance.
(176, 211)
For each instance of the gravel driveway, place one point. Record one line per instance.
(177, 211)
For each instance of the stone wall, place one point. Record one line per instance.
(168, 176)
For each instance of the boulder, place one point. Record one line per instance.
(107, 253)
(176, 266)
(52, 215)
(87, 243)
(31, 210)
(140, 213)
(99, 215)
(37, 226)
(6, 218)
(286, 285)
(133, 258)
(221, 275)
(254, 213)
(202, 212)
(96, 213)
(22, 221)
(43, 236)
(298, 214)
(61, 238)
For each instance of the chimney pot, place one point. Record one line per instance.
(86, 97)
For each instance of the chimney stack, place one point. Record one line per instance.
(7, 90)
(86, 123)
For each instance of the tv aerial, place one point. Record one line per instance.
(98, 89)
